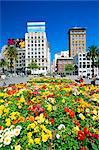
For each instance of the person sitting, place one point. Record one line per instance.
(93, 80)
(80, 80)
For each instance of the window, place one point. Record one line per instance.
(28, 56)
(42, 60)
(28, 45)
(38, 52)
(84, 66)
(42, 68)
(38, 44)
(31, 37)
(32, 41)
(88, 66)
(42, 44)
(42, 40)
(31, 44)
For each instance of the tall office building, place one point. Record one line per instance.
(77, 40)
(37, 47)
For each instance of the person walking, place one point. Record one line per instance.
(94, 80)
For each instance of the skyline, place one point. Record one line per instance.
(15, 15)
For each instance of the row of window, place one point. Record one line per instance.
(85, 66)
(35, 53)
(36, 48)
(35, 37)
(35, 45)
(35, 56)
(35, 41)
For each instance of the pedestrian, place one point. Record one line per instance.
(93, 80)
(4, 84)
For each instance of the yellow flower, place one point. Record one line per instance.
(76, 129)
(8, 123)
(49, 107)
(30, 141)
(40, 119)
(6, 110)
(17, 147)
(95, 111)
(87, 110)
(1, 112)
(2, 94)
(22, 99)
(81, 116)
(29, 134)
(44, 137)
(37, 140)
(63, 100)
(1, 100)
(32, 125)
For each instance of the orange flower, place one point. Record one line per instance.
(21, 119)
(15, 121)
(31, 118)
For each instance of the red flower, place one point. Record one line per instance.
(83, 148)
(72, 114)
(1, 127)
(77, 123)
(66, 109)
(36, 113)
(86, 131)
(95, 136)
(52, 120)
(43, 87)
(45, 115)
(81, 135)
(41, 109)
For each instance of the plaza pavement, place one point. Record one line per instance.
(23, 79)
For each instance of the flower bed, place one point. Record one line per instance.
(49, 114)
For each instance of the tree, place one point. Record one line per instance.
(10, 52)
(69, 68)
(33, 65)
(93, 52)
(3, 63)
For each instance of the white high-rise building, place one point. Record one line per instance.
(37, 47)
(85, 65)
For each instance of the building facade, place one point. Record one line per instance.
(59, 55)
(85, 65)
(60, 64)
(37, 47)
(20, 63)
(77, 40)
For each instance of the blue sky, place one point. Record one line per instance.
(58, 15)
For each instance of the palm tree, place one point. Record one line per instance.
(33, 65)
(3, 63)
(93, 52)
(10, 53)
